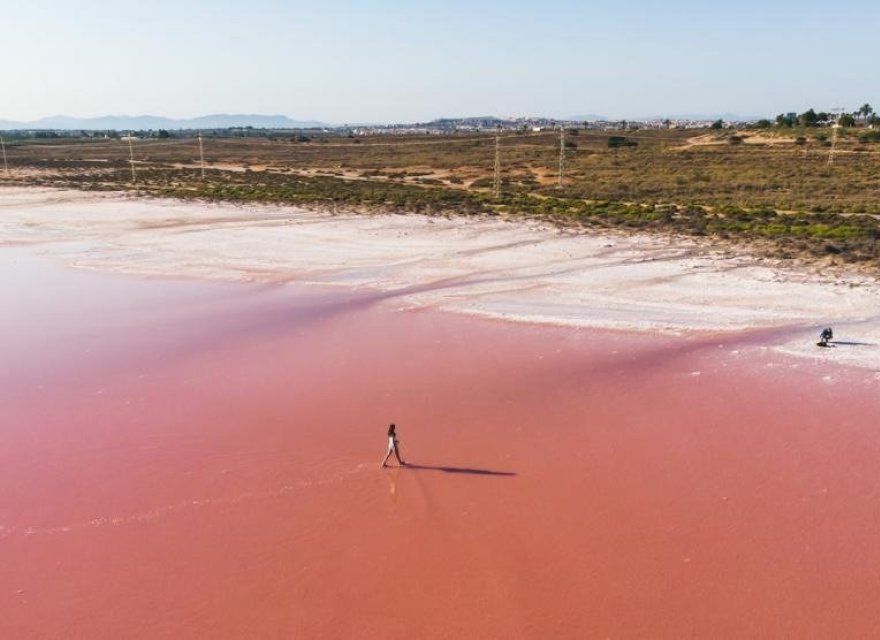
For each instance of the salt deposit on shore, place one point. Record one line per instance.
(522, 271)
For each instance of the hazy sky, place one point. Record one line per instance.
(392, 60)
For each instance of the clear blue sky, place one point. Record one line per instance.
(396, 60)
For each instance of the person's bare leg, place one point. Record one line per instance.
(388, 455)
(397, 455)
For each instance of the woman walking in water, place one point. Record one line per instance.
(393, 446)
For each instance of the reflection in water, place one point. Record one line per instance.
(392, 484)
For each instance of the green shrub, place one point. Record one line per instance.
(615, 142)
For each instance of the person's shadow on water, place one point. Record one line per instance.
(464, 470)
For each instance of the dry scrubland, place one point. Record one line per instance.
(776, 192)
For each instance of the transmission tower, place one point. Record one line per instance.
(131, 157)
(5, 163)
(561, 155)
(496, 185)
(202, 156)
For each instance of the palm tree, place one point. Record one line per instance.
(866, 110)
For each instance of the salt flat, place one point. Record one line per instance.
(517, 270)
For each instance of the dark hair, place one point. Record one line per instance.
(391, 429)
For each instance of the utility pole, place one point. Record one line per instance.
(202, 156)
(496, 186)
(5, 163)
(561, 155)
(131, 157)
(835, 127)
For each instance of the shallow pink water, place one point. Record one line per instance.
(201, 460)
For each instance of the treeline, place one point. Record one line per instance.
(864, 116)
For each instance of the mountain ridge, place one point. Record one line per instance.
(144, 122)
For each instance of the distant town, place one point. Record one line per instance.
(446, 126)
(147, 127)
(281, 126)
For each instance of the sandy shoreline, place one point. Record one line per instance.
(522, 271)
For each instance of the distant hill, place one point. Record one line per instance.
(122, 123)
